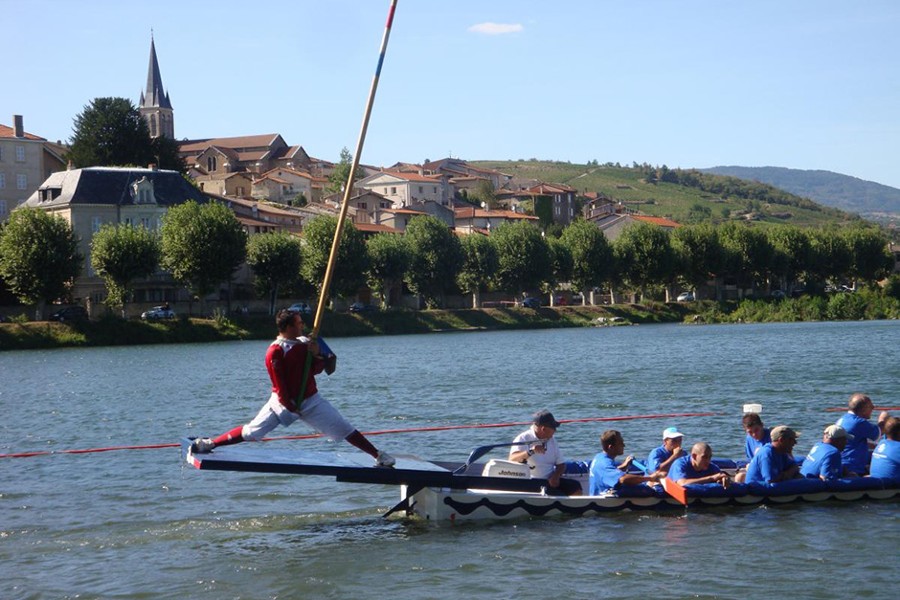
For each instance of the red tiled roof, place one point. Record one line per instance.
(415, 176)
(375, 228)
(9, 132)
(661, 221)
(472, 212)
(248, 141)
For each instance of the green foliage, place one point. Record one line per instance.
(479, 265)
(39, 256)
(275, 260)
(436, 258)
(483, 194)
(389, 260)
(870, 259)
(791, 252)
(892, 287)
(119, 255)
(111, 131)
(563, 264)
(543, 210)
(699, 253)
(341, 173)
(592, 256)
(524, 257)
(351, 262)
(747, 253)
(202, 245)
(829, 256)
(646, 255)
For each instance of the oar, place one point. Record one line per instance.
(671, 488)
(481, 451)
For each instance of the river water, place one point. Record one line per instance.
(138, 525)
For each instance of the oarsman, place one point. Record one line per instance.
(537, 448)
(858, 452)
(662, 457)
(824, 459)
(886, 457)
(286, 362)
(697, 468)
(774, 462)
(606, 475)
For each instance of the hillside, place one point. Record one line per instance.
(710, 197)
(871, 200)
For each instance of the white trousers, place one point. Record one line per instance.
(315, 411)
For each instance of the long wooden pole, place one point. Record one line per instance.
(348, 188)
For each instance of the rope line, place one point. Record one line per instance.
(311, 436)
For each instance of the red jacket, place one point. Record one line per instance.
(285, 362)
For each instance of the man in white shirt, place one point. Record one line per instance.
(537, 448)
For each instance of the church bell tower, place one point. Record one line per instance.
(155, 105)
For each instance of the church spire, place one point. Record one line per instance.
(155, 105)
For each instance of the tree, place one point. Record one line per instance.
(699, 255)
(341, 172)
(119, 255)
(646, 255)
(275, 260)
(479, 266)
(436, 257)
(483, 194)
(592, 257)
(791, 254)
(202, 245)
(870, 258)
(561, 259)
(747, 253)
(39, 257)
(111, 131)
(389, 259)
(829, 257)
(524, 257)
(351, 262)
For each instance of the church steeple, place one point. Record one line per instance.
(155, 106)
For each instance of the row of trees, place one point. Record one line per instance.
(203, 245)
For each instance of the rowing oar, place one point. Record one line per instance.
(671, 488)
(348, 192)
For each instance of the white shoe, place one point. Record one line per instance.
(384, 460)
(202, 446)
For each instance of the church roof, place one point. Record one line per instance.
(154, 96)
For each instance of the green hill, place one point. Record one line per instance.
(684, 196)
(867, 198)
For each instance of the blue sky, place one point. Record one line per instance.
(807, 84)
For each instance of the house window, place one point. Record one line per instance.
(364, 205)
(3, 208)
(2, 180)
(1, 153)
(240, 190)
(96, 222)
(421, 189)
(434, 189)
(385, 191)
(21, 181)
(20, 153)
(145, 223)
(393, 190)
(210, 163)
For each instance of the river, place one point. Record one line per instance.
(137, 524)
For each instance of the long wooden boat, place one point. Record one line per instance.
(447, 491)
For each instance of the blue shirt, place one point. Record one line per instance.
(856, 455)
(767, 465)
(683, 468)
(751, 447)
(824, 460)
(657, 456)
(605, 474)
(886, 460)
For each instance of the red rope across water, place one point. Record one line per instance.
(381, 432)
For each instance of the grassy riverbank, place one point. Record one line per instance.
(866, 304)
(113, 331)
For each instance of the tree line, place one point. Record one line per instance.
(202, 245)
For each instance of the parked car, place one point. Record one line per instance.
(70, 313)
(157, 313)
(778, 294)
(685, 297)
(300, 307)
(531, 302)
(358, 307)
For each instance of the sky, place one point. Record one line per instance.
(803, 84)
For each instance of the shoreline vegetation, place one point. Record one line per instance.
(114, 331)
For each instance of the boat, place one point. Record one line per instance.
(498, 489)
